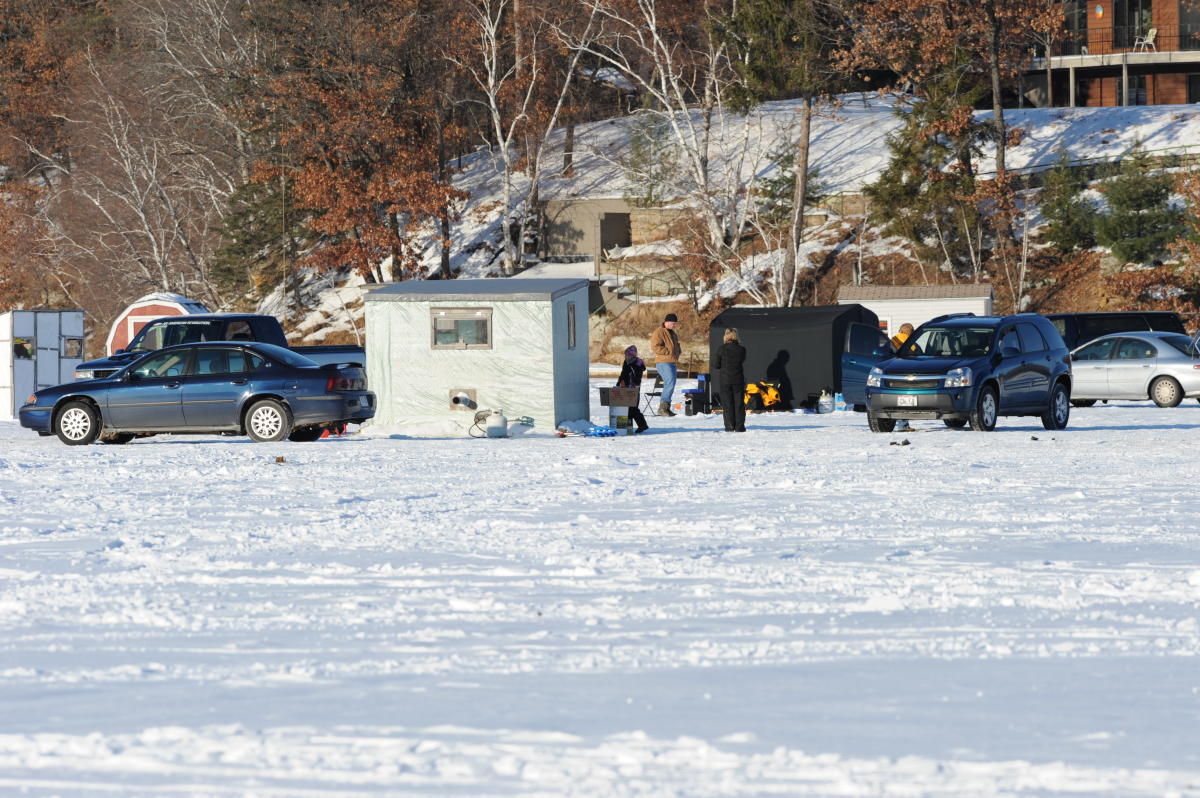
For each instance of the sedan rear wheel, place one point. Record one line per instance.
(268, 420)
(1166, 392)
(987, 406)
(77, 424)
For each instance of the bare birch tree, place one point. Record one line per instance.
(523, 83)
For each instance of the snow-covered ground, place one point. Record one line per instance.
(805, 609)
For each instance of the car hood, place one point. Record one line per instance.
(111, 362)
(928, 365)
(79, 386)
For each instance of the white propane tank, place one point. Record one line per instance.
(825, 402)
(497, 424)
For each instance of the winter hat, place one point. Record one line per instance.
(631, 351)
(671, 317)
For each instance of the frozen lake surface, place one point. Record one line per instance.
(805, 609)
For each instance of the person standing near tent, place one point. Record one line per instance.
(728, 366)
(664, 343)
(899, 338)
(631, 377)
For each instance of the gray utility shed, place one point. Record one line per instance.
(917, 304)
(519, 345)
(38, 349)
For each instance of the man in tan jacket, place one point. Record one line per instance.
(664, 343)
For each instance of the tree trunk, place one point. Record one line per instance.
(568, 169)
(1049, 82)
(799, 200)
(997, 105)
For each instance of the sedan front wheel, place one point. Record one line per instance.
(268, 420)
(77, 424)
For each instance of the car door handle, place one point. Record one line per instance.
(171, 385)
(237, 382)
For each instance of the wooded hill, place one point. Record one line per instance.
(216, 147)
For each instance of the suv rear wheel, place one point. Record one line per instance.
(987, 406)
(1059, 411)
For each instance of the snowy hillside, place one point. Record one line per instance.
(804, 610)
(849, 148)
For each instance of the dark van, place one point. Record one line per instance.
(1077, 329)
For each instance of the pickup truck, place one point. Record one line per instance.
(171, 330)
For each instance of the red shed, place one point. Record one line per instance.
(148, 308)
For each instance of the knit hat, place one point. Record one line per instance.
(671, 317)
(631, 351)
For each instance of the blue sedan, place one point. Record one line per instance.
(261, 390)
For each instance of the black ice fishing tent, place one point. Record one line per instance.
(798, 348)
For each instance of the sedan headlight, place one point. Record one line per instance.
(875, 378)
(958, 378)
(84, 374)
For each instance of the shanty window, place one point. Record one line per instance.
(24, 349)
(570, 325)
(462, 328)
(72, 348)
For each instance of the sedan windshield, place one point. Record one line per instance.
(153, 337)
(949, 342)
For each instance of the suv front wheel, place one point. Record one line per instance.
(987, 406)
(878, 424)
(1059, 411)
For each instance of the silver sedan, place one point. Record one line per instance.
(1161, 366)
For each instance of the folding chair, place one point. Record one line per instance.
(651, 397)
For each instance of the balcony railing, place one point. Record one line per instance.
(1105, 41)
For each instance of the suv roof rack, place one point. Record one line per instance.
(950, 316)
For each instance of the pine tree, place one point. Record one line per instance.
(925, 195)
(1071, 219)
(1140, 222)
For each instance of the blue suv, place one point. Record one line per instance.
(971, 369)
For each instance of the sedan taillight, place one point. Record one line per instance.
(346, 381)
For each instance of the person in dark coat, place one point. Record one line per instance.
(728, 366)
(631, 377)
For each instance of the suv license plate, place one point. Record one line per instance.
(904, 400)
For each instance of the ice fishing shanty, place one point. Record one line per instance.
(520, 345)
(38, 349)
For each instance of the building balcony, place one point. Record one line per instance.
(1102, 47)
